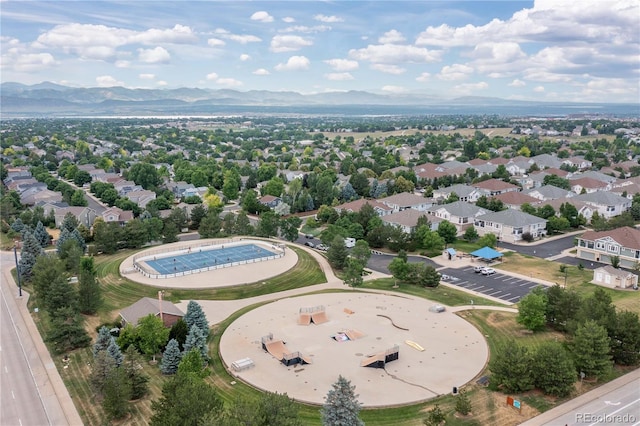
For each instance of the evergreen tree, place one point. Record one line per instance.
(192, 363)
(171, 358)
(132, 367)
(89, 293)
(48, 268)
(42, 235)
(553, 370)
(197, 340)
(29, 254)
(511, 368)
(102, 341)
(179, 331)
(69, 222)
(113, 350)
(590, 347)
(77, 236)
(463, 403)
(17, 226)
(61, 295)
(117, 392)
(102, 365)
(67, 331)
(337, 253)
(625, 338)
(341, 405)
(62, 239)
(532, 309)
(243, 225)
(169, 232)
(195, 316)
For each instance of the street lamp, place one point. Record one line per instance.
(15, 255)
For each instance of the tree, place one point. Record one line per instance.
(447, 231)
(268, 224)
(195, 316)
(106, 236)
(275, 187)
(553, 370)
(562, 307)
(152, 334)
(69, 222)
(399, 268)
(169, 232)
(488, 240)
(179, 331)
(197, 214)
(432, 241)
(67, 332)
(117, 391)
(60, 295)
(361, 252)
(77, 199)
(436, 417)
(532, 309)
(185, 401)
(463, 403)
(270, 409)
(113, 350)
(171, 358)
(46, 270)
(42, 235)
(243, 225)
(100, 368)
(597, 307)
(289, 228)
(102, 341)
(82, 177)
(196, 339)
(132, 367)
(429, 277)
(89, 293)
(179, 217)
(341, 405)
(31, 250)
(511, 368)
(210, 225)
(337, 253)
(353, 272)
(192, 363)
(470, 234)
(591, 351)
(145, 175)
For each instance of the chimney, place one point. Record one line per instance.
(160, 304)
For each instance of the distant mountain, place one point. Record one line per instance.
(54, 99)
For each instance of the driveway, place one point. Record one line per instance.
(543, 250)
(502, 286)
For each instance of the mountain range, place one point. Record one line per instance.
(51, 99)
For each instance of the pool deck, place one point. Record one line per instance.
(223, 277)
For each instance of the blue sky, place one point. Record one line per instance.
(554, 50)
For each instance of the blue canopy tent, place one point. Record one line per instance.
(487, 253)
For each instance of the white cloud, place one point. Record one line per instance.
(161, 83)
(328, 19)
(261, 71)
(28, 62)
(469, 88)
(342, 64)
(391, 37)
(238, 38)
(455, 72)
(294, 63)
(108, 81)
(262, 16)
(305, 29)
(288, 19)
(517, 83)
(395, 54)
(215, 42)
(122, 63)
(177, 34)
(394, 89)
(388, 69)
(229, 82)
(212, 76)
(156, 55)
(539, 89)
(146, 76)
(338, 76)
(244, 57)
(288, 43)
(424, 77)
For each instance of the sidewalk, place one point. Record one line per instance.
(53, 392)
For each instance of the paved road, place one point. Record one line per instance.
(614, 403)
(543, 250)
(502, 286)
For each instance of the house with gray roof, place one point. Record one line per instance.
(460, 213)
(464, 192)
(601, 246)
(548, 192)
(509, 225)
(607, 204)
(407, 220)
(546, 160)
(406, 200)
(169, 312)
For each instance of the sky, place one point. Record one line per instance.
(546, 50)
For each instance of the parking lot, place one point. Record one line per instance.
(506, 287)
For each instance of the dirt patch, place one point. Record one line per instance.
(497, 319)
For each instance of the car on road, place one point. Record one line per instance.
(310, 236)
(309, 244)
(488, 271)
(322, 247)
(478, 268)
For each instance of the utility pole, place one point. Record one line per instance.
(15, 255)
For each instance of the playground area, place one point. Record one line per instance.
(209, 263)
(392, 348)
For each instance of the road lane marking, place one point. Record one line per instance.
(510, 278)
(524, 283)
(618, 410)
(513, 298)
(477, 288)
(495, 292)
(505, 295)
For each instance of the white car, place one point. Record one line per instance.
(478, 268)
(488, 271)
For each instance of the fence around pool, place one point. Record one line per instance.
(140, 261)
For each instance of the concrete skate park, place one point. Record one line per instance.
(391, 347)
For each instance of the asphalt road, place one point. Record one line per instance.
(506, 287)
(543, 250)
(20, 399)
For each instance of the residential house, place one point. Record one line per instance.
(518, 168)
(588, 185)
(169, 312)
(608, 204)
(548, 192)
(270, 201)
(355, 206)
(545, 161)
(407, 220)
(601, 246)
(496, 186)
(514, 200)
(466, 193)
(578, 162)
(459, 213)
(405, 200)
(45, 195)
(608, 276)
(141, 198)
(84, 215)
(509, 225)
(115, 214)
(583, 209)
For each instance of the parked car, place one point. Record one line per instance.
(322, 247)
(308, 236)
(310, 244)
(478, 268)
(488, 271)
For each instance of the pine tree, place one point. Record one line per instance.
(179, 331)
(132, 367)
(42, 235)
(31, 250)
(341, 405)
(117, 392)
(195, 316)
(337, 253)
(553, 369)
(67, 331)
(102, 365)
(171, 358)
(591, 351)
(76, 235)
(463, 403)
(69, 222)
(64, 237)
(17, 225)
(113, 350)
(102, 341)
(90, 297)
(197, 340)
